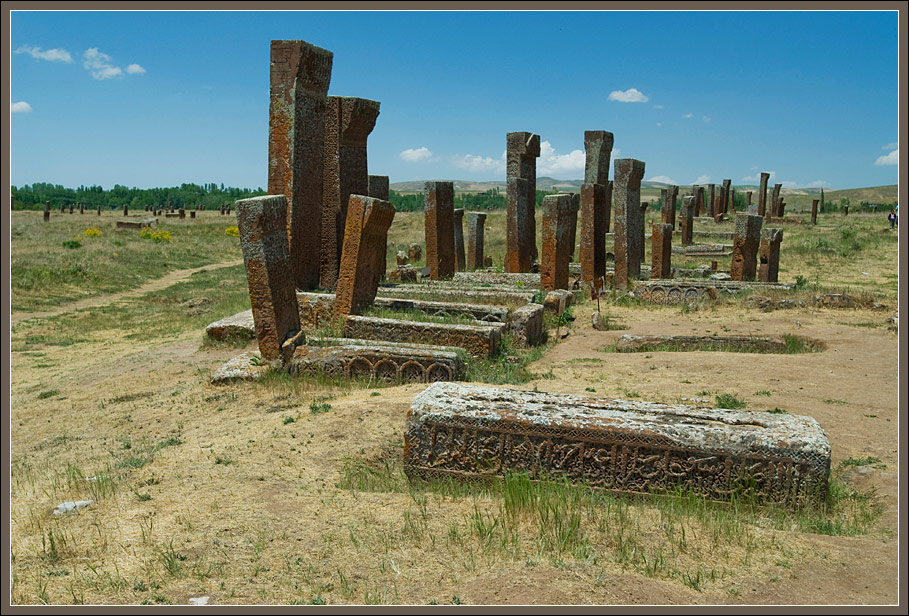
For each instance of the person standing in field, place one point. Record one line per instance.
(892, 218)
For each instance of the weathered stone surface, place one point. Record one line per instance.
(480, 295)
(672, 195)
(438, 200)
(525, 324)
(661, 251)
(727, 195)
(814, 204)
(476, 224)
(47, 211)
(137, 224)
(299, 78)
(464, 431)
(598, 150)
(773, 207)
(573, 224)
(595, 212)
(401, 258)
(405, 273)
(481, 340)
(522, 150)
(599, 322)
(525, 281)
(770, 254)
(762, 195)
(192, 214)
(262, 222)
(125, 210)
(711, 199)
(558, 300)
(556, 236)
(240, 325)
(745, 246)
(687, 220)
(458, 226)
(378, 186)
(629, 223)
(630, 343)
(368, 220)
(415, 252)
(349, 120)
(684, 291)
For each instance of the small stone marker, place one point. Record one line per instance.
(47, 211)
(814, 204)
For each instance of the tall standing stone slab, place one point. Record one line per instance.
(814, 203)
(769, 269)
(262, 222)
(701, 205)
(596, 207)
(673, 197)
(730, 209)
(687, 220)
(555, 254)
(573, 224)
(727, 195)
(47, 210)
(695, 190)
(773, 206)
(522, 150)
(711, 198)
(299, 78)
(458, 225)
(365, 232)
(745, 245)
(438, 203)
(379, 189)
(762, 194)
(349, 121)
(476, 223)
(629, 223)
(661, 251)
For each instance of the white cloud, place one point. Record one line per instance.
(418, 155)
(657, 106)
(20, 107)
(893, 158)
(663, 179)
(818, 184)
(659, 123)
(475, 163)
(891, 146)
(99, 64)
(706, 119)
(551, 163)
(632, 95)
(787, 184)
(702, 179)
(52, 55)
(688, 115)
(135, 69)
(757, 177)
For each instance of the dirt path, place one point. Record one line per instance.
(155, 285)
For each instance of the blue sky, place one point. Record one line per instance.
(162, 98)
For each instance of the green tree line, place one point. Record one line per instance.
(206, 196)
(492, 199)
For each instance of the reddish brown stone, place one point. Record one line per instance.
(673, 197)
(573, 224)
(262, 222)
(770, 254)
(438, 202)
(594, 207)
(727, 195)
(711, 199)
(814, 203)
(762, 195)
(772, 210)
(182, 212)
(745, 247)
(415, 252)
(845, 210)
(81, 209)
(125, 210)
(476, 223)
(366, 228)
(555, 254)
(299, 78)
(47, 211)
(192, 214)
(378, 188)
(458, 226)
(347, 126)
(661, 251)
(629, 224)
(687, 220)
(523, 148)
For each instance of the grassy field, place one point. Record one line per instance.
(290, 491)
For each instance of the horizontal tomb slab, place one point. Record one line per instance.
(474, 432)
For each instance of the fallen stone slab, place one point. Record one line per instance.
(509, 279)
(525, 324)
(680, 291)
(349, 358)
(463, 431)
(491, 295)
(137, 224)
(702, 249)
(630, 343)
(240, 325)
(480, 340)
